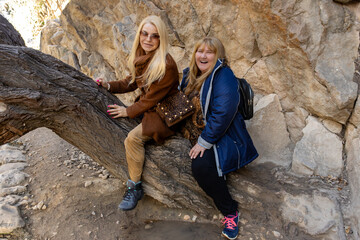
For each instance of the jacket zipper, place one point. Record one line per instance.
(237, 149)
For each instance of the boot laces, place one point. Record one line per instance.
(229, 222)
(128, 193)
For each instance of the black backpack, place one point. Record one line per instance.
(246, 106)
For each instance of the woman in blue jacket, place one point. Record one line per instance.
(222, 143)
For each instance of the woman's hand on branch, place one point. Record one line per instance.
(194, 152)
(117, 111)
(102, 82)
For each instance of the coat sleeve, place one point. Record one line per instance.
(222, 109)
(157, 91)
(122, 86)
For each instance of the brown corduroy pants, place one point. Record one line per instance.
(135, 152)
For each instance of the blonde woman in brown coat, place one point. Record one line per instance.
(155, 73)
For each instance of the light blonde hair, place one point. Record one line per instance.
(195, 77)
(157, 65)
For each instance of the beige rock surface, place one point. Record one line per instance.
(296, 122)
(316, 213)
(10, 218)
(353, 167)
(282, 47)
(268, 131)
(319, 152)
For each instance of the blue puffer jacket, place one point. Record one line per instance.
(225, 129)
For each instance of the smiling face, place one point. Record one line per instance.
(149, 38)
(205, 58)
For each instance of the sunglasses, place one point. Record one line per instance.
(152, 36)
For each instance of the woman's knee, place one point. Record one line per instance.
(127, 141)
(131, 138)
(198, 167)
(204, 165)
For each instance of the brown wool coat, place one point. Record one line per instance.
(152, 125)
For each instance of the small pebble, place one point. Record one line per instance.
(88, 183)
(276, 234)
(105, 177)
(148, 226)
(40, 205)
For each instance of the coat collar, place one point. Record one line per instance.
(207, 93)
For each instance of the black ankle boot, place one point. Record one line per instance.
(132, 195)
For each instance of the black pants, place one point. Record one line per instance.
(205, 173)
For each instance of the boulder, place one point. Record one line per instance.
(11, 166)
(316, 214)
(319, 152)
(323, 31)
(12, 178)
(11, 156)
(10, 218)
(268, 131)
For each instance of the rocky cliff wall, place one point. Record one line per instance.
(300, 57)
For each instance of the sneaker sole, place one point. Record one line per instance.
(229, 237)
(127, 209)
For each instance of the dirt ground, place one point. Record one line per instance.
(73, 198)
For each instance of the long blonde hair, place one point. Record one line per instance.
(157, 65)
(195, 78)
